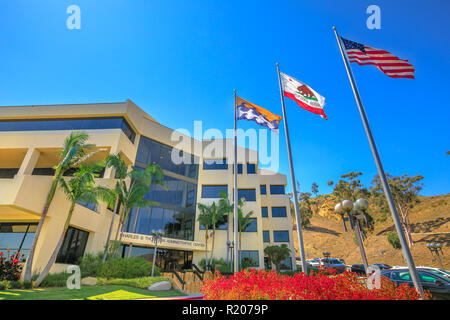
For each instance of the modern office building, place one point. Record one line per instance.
(30, 138)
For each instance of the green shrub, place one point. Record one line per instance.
(394, 240)
(223, 268)
(27, 285)
(127, 268)
(53, 279)
(5, 284)
(142, 283)
(91, 264)
(215, 263)
(17, 284)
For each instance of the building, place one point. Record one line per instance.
(30, 138)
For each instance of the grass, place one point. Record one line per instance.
(106, 292)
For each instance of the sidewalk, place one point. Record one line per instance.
(196, 296)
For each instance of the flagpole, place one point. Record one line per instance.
(387, 192)
(294, 189)
(235, 224)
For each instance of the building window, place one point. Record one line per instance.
(286, 264)
(249, 259)
(266, 236)
(220, 225)
(8, 173)
(73, 246)
(239, 166)
(264, 212)
(69, 124)
(213, 191)
(151, 151)
(248, 194)
(90, 206)
(279, 212)
(276, 189)
(251, 168)
(176, 192)
(263, 189)
(281, 236)
(215, 164)
(17, 237)
(267, 263)
(167, 259)
(252, 227)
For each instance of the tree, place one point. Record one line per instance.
(120, 167)
(75, 151)
(277, 254)
(244, 220)
(204, 219)
(227, 207)
(132, 194)
(330, 183)
(315, 189)
(80, 188)
(405, 191)
(350, 187)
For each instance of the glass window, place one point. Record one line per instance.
(90, 206)
(73, 246)
(263, 189)
(248, 194)
(252, 227)
(220, 225)
(239, 165)
(8, 173)
(150, 151)
(69, 124)
(426, 277)
(281, 236)
(17, 237)
(264, 212)
(266, 236)
(276, 189)
(215, 164)
(286, 264)
(278, 212)
(213, 191)
(167, 259)
(251, 168)
(179, 193)
(249, 259)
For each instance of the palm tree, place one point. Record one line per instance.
(132, 195)
(277, 254)
(243, 221)
(75, 150)
(217, 216)
(227, 208)
(116, 162)
(79, 188)
(204, 218)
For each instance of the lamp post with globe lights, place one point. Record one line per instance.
(352, 210)
(436, 248)
(156, 237)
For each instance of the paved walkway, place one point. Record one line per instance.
(196, 296)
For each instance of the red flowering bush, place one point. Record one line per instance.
(9, 267)
(322, 285)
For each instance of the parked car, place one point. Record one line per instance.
(358, 268)
(437, 271)
(314, 262)
(382, 266)
(333, 263)
(438, 286)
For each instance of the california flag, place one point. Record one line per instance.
(304, 95)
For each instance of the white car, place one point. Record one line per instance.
(314, 262)
(439, 272)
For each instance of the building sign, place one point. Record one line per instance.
(167, 243)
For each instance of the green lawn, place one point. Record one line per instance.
(107, 292)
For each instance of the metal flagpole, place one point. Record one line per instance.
(294, 189)
(387, 191)
(235, 224)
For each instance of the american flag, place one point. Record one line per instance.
(389, 64)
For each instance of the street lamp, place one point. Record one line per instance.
(352, 211)
(436, 247)
(230, 245)
(156, 237)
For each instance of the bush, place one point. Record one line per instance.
(127, 268)
(9, 268)
(215, 263)
(53, 279)
(394, 240)
(4, 285)
(16, 284)
(142, 283)
(262, 285)
(90, 264)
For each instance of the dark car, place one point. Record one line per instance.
(358, 268)
(438, 286)
(382, 266)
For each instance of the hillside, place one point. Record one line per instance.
(430, 221)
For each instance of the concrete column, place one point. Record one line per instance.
(29, 162)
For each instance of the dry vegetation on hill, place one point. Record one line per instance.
(430, 221)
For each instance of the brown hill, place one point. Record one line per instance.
(430, 222)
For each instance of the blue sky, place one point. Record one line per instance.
(181, 60)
